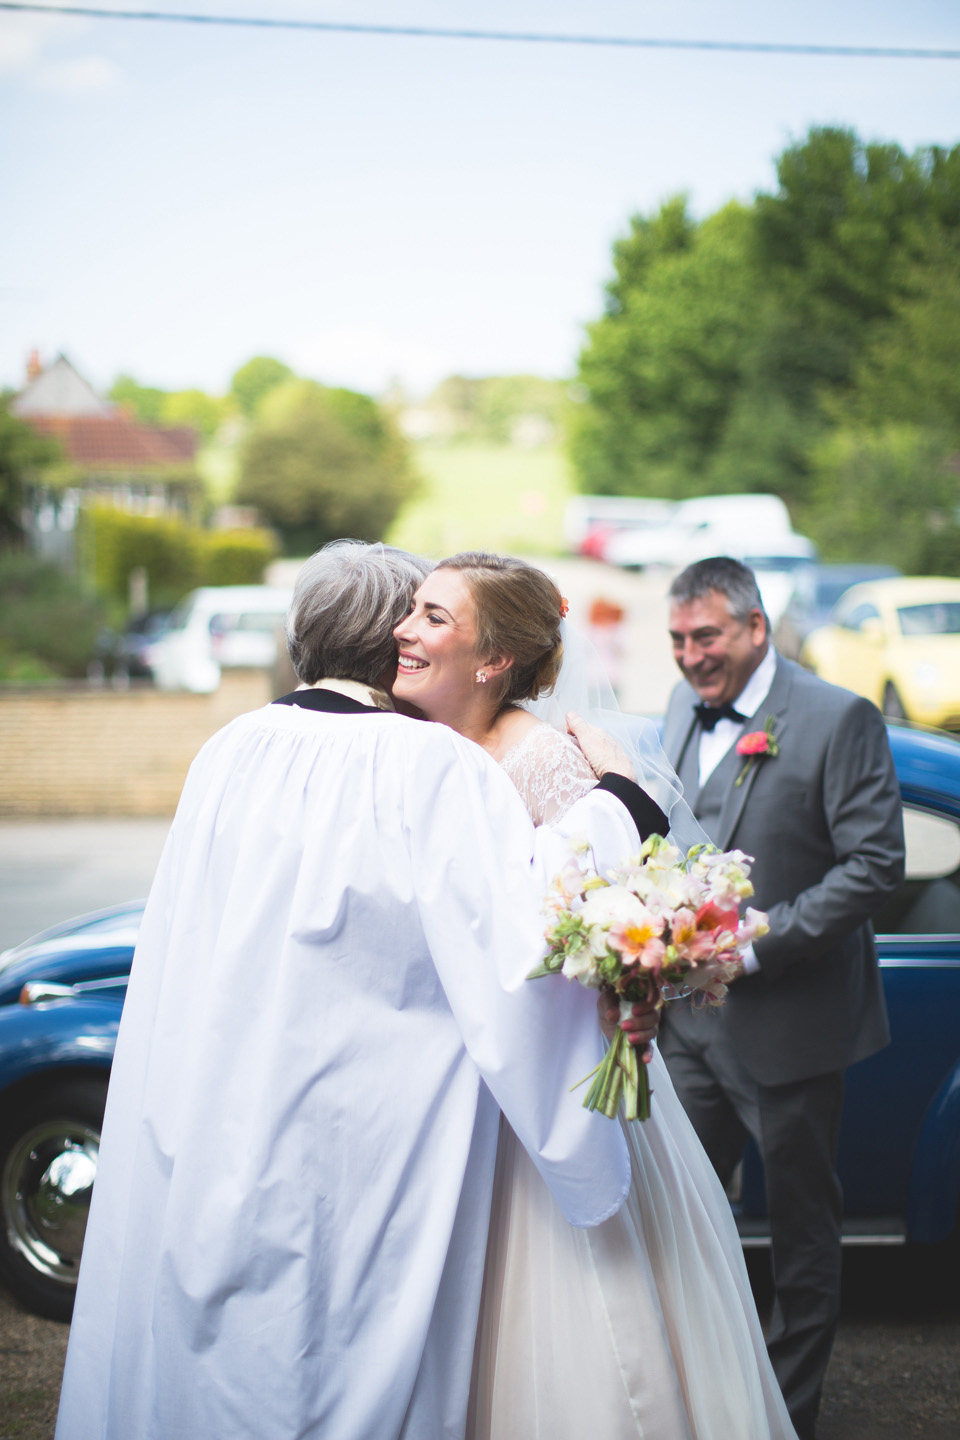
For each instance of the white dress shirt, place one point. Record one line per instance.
(715, 743)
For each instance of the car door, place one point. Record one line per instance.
(900, 1145)
(859, 642)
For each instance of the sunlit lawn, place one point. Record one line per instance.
(479, 495)
(475, 495)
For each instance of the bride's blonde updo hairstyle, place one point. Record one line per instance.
(518, 614)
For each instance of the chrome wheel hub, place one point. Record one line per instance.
(45, 1193)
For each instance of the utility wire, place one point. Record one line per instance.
(633, 42)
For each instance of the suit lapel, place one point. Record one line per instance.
(775, 706)
(679, 723)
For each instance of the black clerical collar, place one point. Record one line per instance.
(331, 702)
(710, 716)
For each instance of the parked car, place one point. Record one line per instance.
(897, 642)
(900, 1141)
(122, 657)
(701, 526)
(215, 628)
(590, 521)
(816, 590)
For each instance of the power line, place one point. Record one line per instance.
(633, 42)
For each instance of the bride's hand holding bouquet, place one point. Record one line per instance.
(659, 925)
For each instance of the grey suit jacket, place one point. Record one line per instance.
(822, 820)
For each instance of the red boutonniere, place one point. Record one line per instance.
(755, 745)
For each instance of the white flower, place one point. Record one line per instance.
(613, 905)
(581, 965)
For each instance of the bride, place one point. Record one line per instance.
(644, 1326)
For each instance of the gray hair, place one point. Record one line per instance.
(346, 601)
(733, 580)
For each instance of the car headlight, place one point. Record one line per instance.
(927, 674)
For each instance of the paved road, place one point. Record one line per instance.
(51, 870)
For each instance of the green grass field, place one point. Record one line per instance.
(475, 496)
(480, 496)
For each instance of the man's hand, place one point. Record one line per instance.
(602, 752)
(640, 1027)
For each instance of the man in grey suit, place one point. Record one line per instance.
(818, 807)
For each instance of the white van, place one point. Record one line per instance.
(698, 527)
(215, 628)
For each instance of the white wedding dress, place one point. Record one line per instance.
(645, 1326)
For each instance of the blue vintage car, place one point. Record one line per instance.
(61, 995)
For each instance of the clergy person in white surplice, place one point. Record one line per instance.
(327, 1012)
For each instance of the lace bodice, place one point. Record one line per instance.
(549, 771)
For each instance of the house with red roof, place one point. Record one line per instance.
(107, 456)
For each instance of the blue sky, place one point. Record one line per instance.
(177, 199)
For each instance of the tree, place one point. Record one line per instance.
(48, 625)
(728, 350)
(144, 402)
(167, 547)
(891, 495)
(255, 380)
(911, 371)
(321, 464)
(663, 366)
(201, 412)
(22, 456)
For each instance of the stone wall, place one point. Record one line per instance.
(83, 751)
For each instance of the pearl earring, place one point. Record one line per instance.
(481, 677)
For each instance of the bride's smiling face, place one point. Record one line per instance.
(437, 661)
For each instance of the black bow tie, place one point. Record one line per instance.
(710, 715)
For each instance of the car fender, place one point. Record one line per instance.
(935, 1174)
(38, 1040)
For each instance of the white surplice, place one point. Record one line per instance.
(326, 1009)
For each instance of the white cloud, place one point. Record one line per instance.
(87, 76)
(22, 38)
(367, 359)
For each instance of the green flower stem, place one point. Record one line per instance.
(619, 1076)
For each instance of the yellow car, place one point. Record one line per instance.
(897, 642)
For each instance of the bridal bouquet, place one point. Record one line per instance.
(660, 924)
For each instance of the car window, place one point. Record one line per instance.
(261, 621)
(940, 618)
(928, 901)
(854, 619)
(222, 624)
(180, 616)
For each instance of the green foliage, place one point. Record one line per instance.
(807, 342)
(319, 464)
(169, 408)
(48, 625)
(237, 557)
(665, 364)
(113, 543)
(23, 456)
(255, 380)
(144, 402)
(493, 408)
(911, 371)
(177, 556)
(201, 412)
(889, 495)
